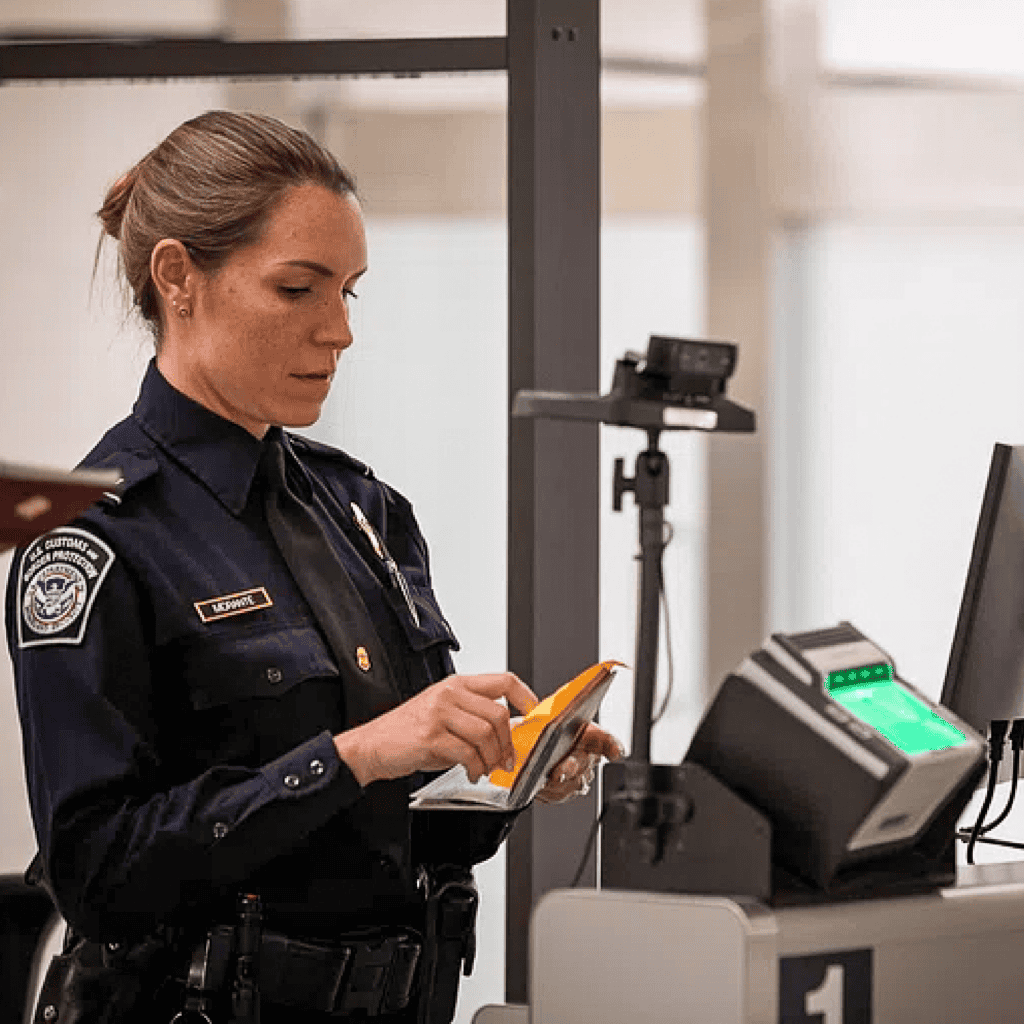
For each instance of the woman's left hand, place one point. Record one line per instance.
(573, 775)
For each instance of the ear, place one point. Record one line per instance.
(173, 274)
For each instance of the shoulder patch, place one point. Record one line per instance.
(59, 576)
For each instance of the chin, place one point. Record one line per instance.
(298, 418)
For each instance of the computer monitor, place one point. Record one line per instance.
(985, 677)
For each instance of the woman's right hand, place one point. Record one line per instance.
(456, 721)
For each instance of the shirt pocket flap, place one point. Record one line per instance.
(433, 627)
(223, 670)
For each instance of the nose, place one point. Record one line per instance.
(336, 328)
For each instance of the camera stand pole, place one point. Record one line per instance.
(650, 492)
(669, 828)
(652, 833)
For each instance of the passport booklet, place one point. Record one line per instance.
(541, 740)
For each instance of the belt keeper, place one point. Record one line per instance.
(398, 990)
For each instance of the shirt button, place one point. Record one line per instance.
(316, 767)
(220, 830)
(292, 781)
(274, 675)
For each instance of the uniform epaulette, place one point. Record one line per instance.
(326, 451)
(134, 467)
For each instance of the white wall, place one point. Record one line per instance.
(980, 38)
(910, 363)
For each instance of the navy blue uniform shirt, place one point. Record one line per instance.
(178, 700)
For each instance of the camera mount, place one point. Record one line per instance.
(678, 385)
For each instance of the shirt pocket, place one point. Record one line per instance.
(227, 669)
(433, 627)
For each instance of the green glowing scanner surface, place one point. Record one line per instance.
(896, 713)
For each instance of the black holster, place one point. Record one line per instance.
(94, 983)
(449, 941)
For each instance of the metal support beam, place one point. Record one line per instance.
(216, 58)
(553, 217)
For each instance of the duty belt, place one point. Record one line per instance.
(369, 973)
(372, 975)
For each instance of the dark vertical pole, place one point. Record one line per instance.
(554, 231)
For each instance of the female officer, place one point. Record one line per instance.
(230, 673)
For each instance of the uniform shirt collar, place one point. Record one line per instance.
(223, 455)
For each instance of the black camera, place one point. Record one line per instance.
(676, 370)
(679, 384)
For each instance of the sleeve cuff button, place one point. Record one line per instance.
(316, 766)
(220, 830)
(292, 781)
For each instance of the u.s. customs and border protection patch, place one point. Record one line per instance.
(58, 580)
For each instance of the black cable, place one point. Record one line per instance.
(996, 739)
(587, 848)
(668, 632)
(1000, 842)
(986, 803)
(1009, 801)
(1016, 742)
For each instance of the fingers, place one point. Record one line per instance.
(576, 772)
(571, 777)
(468, 726)
(484, 736)
(502, 684)
(480, 722)
(458, 720)
(574, 775)
(596, 741)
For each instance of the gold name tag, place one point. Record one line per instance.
(233, 604)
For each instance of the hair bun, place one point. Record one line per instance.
(111, 214)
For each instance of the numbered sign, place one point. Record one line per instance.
(826, 988)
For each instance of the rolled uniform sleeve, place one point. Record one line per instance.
(125, 838)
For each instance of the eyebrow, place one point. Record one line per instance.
(319, 268)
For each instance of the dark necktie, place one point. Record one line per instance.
(336, 605)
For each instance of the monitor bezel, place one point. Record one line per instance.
(988, 517)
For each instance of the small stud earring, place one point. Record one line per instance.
(183, 311)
